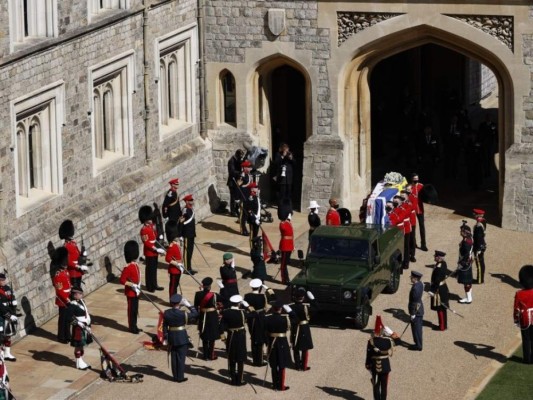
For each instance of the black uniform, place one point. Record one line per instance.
(77, 311)
(171, 206)
(283, 167)
(314, 222)
(234, 172)
(233, 321)
(301, 338)
(174, 321)
(253, 209)
(441, 293)
(256, 255)
(256, 322)
(206, 303)
(479, 250)
(416, 308)
(246, 180)
(8, 309)
(229, 279)
(464, 267)
(188, 232)
(279, 357)
(377, 361)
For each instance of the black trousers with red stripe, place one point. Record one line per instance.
(443, 319)
(380, 383)
(301, 359)
(133, 311)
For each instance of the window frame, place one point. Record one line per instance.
(94, 11)
(38, 28)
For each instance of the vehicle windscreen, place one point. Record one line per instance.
(339, 248)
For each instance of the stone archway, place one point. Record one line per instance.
(357, 121)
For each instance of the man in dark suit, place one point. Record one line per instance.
(234, 173)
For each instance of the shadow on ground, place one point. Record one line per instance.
(481, 350)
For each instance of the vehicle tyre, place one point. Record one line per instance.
(394, 281)
(362, 317)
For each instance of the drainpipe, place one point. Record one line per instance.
(146, 78)
(201, 69)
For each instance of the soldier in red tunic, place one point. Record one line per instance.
(523, 311)
(286, 243)
(61, 281)
(333, 217)
(75, 271)
(173, 257)
(131, 279)
(151, 252)
(416, 188)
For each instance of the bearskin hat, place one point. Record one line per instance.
(525, 276)
(171, 229)
(60, 257)
(66, 229)
(346, 216)
(145, 213)
(284, 209)
(131, 251)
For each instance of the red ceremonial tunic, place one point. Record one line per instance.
(173, 254)
(131, 273)
(61, 282)
(523, 308)
(395, 217)
(333, 217)
(286, 242)
(412, 214)
(405, 212)
(413, 199)
(415, 190)
(73, 256)
(148, 237)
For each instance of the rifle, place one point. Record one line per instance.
(83, 259)
(158, 221)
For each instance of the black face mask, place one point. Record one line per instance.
(415, 181)
(388, 208)
(336, 206)
(396, 204)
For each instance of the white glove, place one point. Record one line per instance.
(160, 251)
(160, 237)
(232, 263)
(13, 318)
(14, 303)
(165, 220)
(413, 317)
(165, 342)
(81, 324)
(181, 240)
(388, 331)
(245, 303)
(84, 254)
(220, 284)
(310, 295)
(287, 308)
(264, 287)
(257, 221)
(431, 294)
(181, 267)
(84, 268)
(88, 329)
(185, 302)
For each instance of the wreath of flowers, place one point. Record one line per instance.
(393, 178)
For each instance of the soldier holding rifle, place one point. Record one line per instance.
(75, 269)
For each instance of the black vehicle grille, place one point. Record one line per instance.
(326, 293)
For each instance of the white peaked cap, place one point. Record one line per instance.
(237, 298)
(313, 204)
(255, 283)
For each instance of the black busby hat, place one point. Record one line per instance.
(525, 276)
(66, 229)
(145, 213)
(60, 257)
(171, 230)
(3, 277)
(131, 251)
(207, 281)
(284, 209)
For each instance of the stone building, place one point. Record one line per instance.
(104, 100)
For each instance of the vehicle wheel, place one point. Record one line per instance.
(361, 318)
(394, 282)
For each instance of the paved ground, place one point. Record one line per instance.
(453, 365)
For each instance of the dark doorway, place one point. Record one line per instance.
(288, 121)
(416, 96)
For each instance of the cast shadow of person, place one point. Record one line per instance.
(342, 393)
(29, 322)
(507, 279)
(215, 226)
(226, 248)
(108, 323)
(148, 370)
(51, 357)
(481, 350)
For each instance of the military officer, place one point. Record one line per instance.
(301, 339)
(173, 257)
(234, 172)
(332, 216)
(464, 265)
(171, 208)
(174, 331)
(131, 279)
(523, 311)
(75, 271)
(279, 357)
(416, 309)
(244, 182)
(286, 242)
(378, 350)
(258, 259)
(232, 322)
(229, 286)
(253, 209)
(188, 232)
(8, 311)
(313, 218)
(62, 286)
(479, 244)
(440, 295)
(150, 250)
(258, 302)
(81, 326)
(206, 302)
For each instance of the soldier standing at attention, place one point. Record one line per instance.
(171, 208)
(464, 265)
(75, 271)
(378, 351)
(479, 244)
(244, 183)
(279, 357)
(313, 218)
(131, 279)
(286, 243)
(174, 324)
(253, 210)
(150, 251)
(229, 286)
(8, 311)
(234, 172)
(333, 217)
(173, 257)
(416, 188)
(205, 301)
(416, 309)
(81, 326)
(188, 232)
(523, 311)
(440, 295)
(63, 288)
(301, 338)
